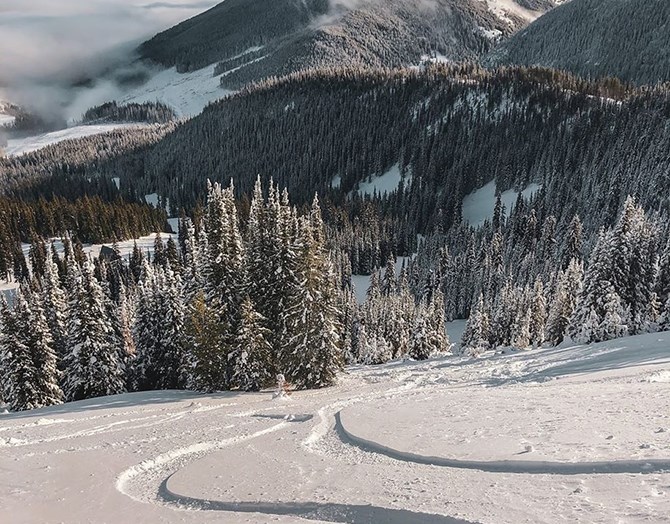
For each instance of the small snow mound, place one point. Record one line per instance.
(662, 376)
(49, 421)
(11, 441)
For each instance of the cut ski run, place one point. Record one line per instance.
(575, 434)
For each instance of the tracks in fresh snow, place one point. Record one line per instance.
(346, 513)
(529, 467)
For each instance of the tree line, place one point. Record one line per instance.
(241, 296)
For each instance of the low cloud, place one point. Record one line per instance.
(47, 45)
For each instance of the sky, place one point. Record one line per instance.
(46, 43)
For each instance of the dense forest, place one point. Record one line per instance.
(149, 112)
(257, 284)
(227, 307)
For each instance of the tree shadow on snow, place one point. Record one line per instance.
(530, 467)
(325, 512)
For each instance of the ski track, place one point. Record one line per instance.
(505, 466)
(327, 435)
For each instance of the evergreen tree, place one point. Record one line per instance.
(40, 342)
(253, 351)
(538, 316)
(310, 354)
(475, 339)
(207, 358)
(18, 370)
(55, 307)
(92, 367)
(564, 301)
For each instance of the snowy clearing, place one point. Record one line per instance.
(6, 120)
(478, 206)
(21, 146)
(504, 8)
(187, 93)
(386, 183)
(575, 434)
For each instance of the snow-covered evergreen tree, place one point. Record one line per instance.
(206, 360)
(252, 351)
(538, 315)
(55, 306)
(310, 354)
(92, 367)
(19, 376)
(41, 344)
(475, 339)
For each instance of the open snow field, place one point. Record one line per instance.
(563, 435)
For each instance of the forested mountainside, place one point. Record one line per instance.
(278, 37)
(228, 29)
(597, 38)
(69, 168)
(450, 130)
(446, 131)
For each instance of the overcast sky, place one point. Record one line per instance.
(46, 44)
(41, 38)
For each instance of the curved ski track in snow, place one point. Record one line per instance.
(149, 481)
(346, 513)
(531, 467)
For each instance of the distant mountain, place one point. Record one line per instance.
(629, 39)
(255, 39)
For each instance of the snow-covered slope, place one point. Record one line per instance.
(478, 206)
(6, 120)
(186, 93)
(577, 434)
(21, 146)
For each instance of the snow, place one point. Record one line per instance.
(574, 434)
(386, 183)
(478, 206)
(6, 120)
(174, 224)
(21, 146)
(186, 93)
(151, 199)
(504, 8)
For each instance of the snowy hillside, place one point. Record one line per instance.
(478, 206)
(6, 120)
(578, 434)
(20, 146)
